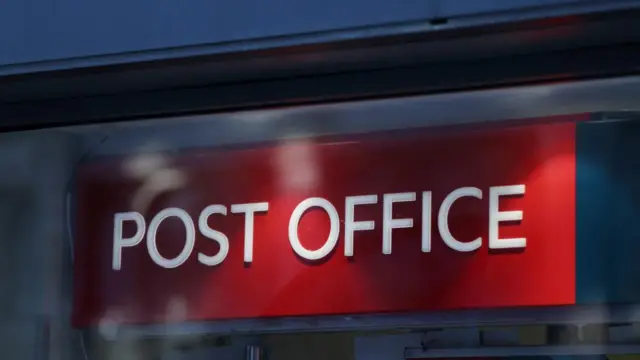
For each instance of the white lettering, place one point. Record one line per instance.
(388, 222)
(350, 225)
(190, 238)
(119, 242)
(426, 221)
(214, 235)
(496, 216)
(332, 239)
(249, 210)
(443, 220)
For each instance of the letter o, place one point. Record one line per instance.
(294, 221)
(190, 238)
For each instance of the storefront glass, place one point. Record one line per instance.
(483, 224)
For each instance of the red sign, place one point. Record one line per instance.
(410, 221)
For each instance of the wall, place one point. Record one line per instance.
(42, 34)
(34, 255)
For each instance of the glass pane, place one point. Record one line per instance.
(483, 224)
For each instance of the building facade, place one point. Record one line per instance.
(342, 180)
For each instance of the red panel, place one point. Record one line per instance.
(280, 283)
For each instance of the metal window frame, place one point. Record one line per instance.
(575, 314)
(515, 351)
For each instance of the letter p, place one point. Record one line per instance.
(119, 242)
